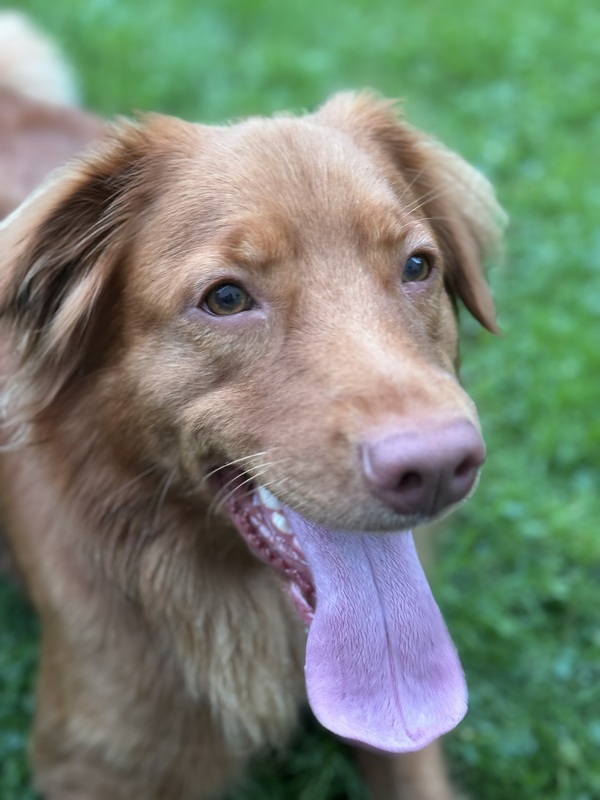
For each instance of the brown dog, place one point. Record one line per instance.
(231, 373)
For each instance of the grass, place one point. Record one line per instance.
(514, 88)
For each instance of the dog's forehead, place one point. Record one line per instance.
(304, 169)
(294, 177)
(271, 188)
(269, 192)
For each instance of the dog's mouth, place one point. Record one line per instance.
(262, 521)
(381, 669)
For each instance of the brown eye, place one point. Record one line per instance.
(226, 299)
(416, 268)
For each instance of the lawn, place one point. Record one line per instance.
(516, 89)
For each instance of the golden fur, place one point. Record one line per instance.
(169, 656)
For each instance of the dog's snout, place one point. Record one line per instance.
(422, 470)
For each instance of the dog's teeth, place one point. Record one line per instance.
(280, 523)
(268, 500)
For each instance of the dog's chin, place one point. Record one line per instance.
(381, 669)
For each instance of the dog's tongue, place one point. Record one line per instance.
(381, 668)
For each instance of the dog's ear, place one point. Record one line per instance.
(468, 221)
(453, 196)
(60, 255)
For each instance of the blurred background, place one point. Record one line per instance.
(515, 88)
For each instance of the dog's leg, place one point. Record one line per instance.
(406, 776)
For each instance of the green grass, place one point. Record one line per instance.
(513, 87)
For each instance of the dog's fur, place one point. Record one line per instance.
(40, 128)
(169, 656)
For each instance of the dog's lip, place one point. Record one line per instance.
(261, 520)
(228, 481)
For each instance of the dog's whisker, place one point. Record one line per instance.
(428, 197)
(435, 219)
(414, 179)
(275, 484)
(234, 462)
(227, 491)
(259, 466)
(223, 494)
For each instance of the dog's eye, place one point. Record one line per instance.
(416, 268)
(226, 299)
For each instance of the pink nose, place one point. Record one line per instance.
(422, 471)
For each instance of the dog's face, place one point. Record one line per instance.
(268, 304)
(287, 300)
(277, 294)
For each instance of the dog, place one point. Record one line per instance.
(230, 389)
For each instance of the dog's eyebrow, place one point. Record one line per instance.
(382, 226)
(391, 227)
(260, 240)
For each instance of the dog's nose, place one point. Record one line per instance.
(423, 469)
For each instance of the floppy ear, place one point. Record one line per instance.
(469, 224)
(453, 196)
(61, 252)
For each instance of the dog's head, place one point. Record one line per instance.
(273, 303)
(281, 291)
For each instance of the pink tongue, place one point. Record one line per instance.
(381, 668)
